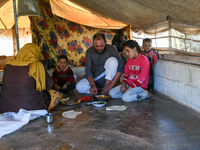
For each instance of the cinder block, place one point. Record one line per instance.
(167, 69)
(195, 98)
(158, 84)
(163, 68)
(158, 67)
(188, 75)
(192, 97)
(192, 75)
(178, 71)
(195, 76)
(177, 91)
(167, 86)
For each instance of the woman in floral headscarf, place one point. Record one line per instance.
(25, 82)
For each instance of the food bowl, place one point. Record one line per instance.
(102, 97)
(99, 103)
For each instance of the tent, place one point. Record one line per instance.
(140, 14)
(150, 17)
(7, 16)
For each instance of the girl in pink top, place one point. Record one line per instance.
(136, 75)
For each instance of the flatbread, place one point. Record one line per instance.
(116, 107)
(71, 114)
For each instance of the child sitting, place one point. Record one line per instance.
(63, 76)
(147, 44)
(136, 75)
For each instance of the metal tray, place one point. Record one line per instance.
(71, 102)
(101, 97)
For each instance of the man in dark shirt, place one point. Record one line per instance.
(103, 67)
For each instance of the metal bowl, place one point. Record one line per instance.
(101, 97)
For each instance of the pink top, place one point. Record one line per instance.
(152, 55)
(137, 72)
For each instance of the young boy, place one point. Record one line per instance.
(147, 43)
(63, 76)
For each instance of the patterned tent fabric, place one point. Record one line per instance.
(57, 36)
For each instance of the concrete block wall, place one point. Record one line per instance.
(178, 80)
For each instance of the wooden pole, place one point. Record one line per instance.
(130, 33)
(16, 25)
(170, 43)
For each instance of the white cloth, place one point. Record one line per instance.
(111, 64)
(83, 86)
(11, 121)
(116, 107)
(71, 114)
(111, 68)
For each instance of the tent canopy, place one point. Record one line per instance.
(115, 14)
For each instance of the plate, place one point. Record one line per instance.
(102, 97)
(99, 103)
(71, 102)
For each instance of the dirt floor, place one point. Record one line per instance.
(153, 123)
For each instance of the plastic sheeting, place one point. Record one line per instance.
(28, 8)
(6, 40)
(75, 13)
(115, 14)
(148, 15)
(159, 28)
(7, 16)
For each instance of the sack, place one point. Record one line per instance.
(28, 8)
(55, 99)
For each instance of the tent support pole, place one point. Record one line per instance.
(16, 25)
(131, 33)
(169, 21)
